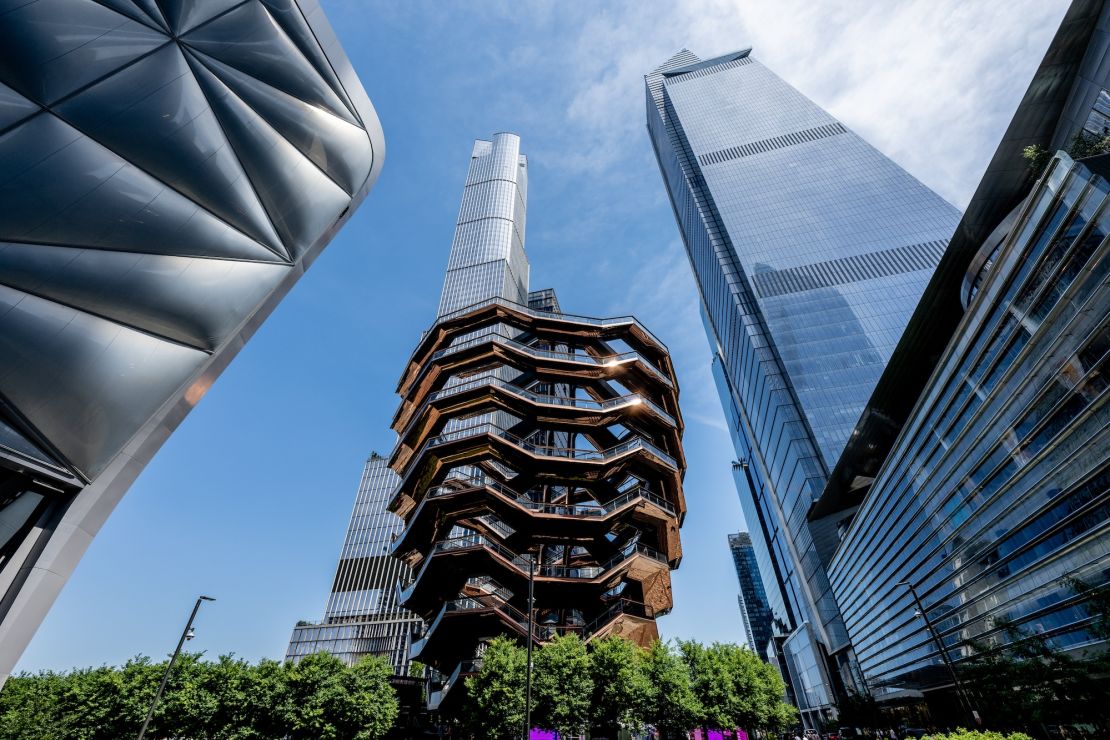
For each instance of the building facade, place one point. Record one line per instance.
(537, 452)
(752, 599)
(996, 481)
(362, 616)
(810, 250)
(163, 186)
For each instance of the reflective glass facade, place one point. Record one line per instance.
(754, 611)
(362, 616)
(487, 254)
(810, 250)
(997, 488)
(168, 171)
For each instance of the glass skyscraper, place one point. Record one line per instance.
(752, 598)
(810, 250)
(362, 616)
(487, 254)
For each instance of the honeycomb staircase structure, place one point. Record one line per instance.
(535, 446)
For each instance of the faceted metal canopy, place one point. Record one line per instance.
(163, 166)
(168, 169)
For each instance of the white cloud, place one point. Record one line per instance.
(931, 83)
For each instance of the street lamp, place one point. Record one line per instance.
(187, 634)
(964, 701)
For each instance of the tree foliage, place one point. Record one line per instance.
(228, 699)
(962, 734)
(496, 693)
(1083, 144)
(672, 707)
(622, 691)
(735, 688)
(1021, 679)
(562, 686)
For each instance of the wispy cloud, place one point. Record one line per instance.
(932, 83)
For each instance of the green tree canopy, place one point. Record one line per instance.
(622, 691)
(228, 699)
(672, 706)
(734, 687)
(496, 694)
(562, 686)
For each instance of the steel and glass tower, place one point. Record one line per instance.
(362, 616)
(537, 451)
(810, 250)
(752, 598)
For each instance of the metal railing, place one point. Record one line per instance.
(571, 453)
(632, 399)
(522, 564)
(541, 632)
(573, 510)
(577, 511)
(569, 318)
(585, 359)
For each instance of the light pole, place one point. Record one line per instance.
(531, 636)
(964, 701)
(186, 634)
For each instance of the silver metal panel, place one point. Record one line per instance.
(168, 170)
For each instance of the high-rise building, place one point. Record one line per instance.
(167, 172)
(533, 446)
(810, 249)
(752, 599)
(978, 473)
(362, 616)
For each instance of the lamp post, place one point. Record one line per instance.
(531, 636)
(965, 703)
(186, 634)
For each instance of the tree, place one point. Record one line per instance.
(29, 706)
(962, 734)
(562, 685)
(333, 702)
(672, 706)
(1083, 144)
(735, 688)
(496, 706)
(621, 689)
(373, 700)
(228, 699)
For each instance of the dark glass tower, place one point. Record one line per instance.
(168, 171)
(362, 616)
(752, 599)
(529, 438)
(810, 250)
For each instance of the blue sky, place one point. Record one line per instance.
(249, 499)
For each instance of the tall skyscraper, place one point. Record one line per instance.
(985, 446)
(167, 172)
(530, 443)
(810, 250)
(752, 598)
(362, 616)
(487, 254)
